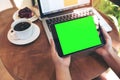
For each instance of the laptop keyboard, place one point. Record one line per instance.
(70, 16)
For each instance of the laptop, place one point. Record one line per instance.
(54, 11)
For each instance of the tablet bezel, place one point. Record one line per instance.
(57, 42)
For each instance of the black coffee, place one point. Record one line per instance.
(22, 26)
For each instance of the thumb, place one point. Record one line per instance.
(53, 50)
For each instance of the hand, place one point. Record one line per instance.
(109, 55)
(107, 47)
(59, 61)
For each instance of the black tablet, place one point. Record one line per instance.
(76, 35)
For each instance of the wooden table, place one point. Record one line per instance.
(33, 61)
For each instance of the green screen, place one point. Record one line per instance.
(78, 34)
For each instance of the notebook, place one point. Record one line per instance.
(54, 11)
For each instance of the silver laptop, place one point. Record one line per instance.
(52, 11)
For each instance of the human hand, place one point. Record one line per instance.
(107, 48)
(59, 61)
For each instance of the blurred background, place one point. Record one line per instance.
(110, 8)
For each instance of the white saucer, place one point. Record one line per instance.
(34, 36)
(32, 19)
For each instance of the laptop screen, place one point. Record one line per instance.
(53, 6)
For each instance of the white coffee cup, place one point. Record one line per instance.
(24, 33)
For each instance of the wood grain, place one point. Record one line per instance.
(4, 74)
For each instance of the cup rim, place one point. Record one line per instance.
(20, 20)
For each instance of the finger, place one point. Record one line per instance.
(106, 35)
(53, 52)
(52, 43)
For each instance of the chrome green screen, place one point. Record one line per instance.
(77, 35)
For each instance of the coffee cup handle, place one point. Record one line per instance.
(13, 34)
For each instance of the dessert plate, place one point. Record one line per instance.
(34, 36)
(32, 19)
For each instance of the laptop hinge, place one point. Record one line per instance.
(60, 13)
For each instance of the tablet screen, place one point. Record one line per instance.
(76, 35)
